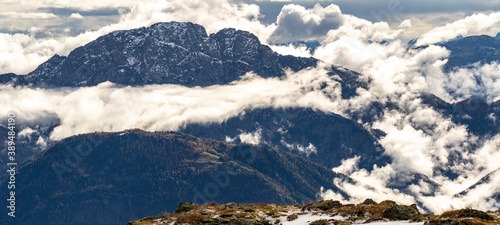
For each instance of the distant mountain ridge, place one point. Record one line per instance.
(324, 138)
(112, 178)
(466, 51)
(479, 115)
(473, 49)
(486, 179)
(171, 52)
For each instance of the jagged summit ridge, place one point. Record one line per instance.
(171, 52)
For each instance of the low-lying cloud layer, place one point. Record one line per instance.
(108, 107)
(480, 81)
(419, 139)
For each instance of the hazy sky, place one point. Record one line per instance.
(68, 17)
(33, 31)
(390, 10)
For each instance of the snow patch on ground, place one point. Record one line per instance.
(308, 218)
(395, 223)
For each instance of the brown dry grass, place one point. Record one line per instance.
(373, 212)
(212, 203)
(463, 215)
(149, 220)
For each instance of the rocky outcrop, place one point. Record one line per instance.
(401, 212)
(186, 207)
(324, 205)
(369, 201)
(318, 213)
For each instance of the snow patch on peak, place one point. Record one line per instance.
(179, 27)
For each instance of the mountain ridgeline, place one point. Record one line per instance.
(467, 51)
(112, 178)
(325, 138)
(173, 53)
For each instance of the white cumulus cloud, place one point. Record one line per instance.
(76, 16)
(107, 107)
(296, 23)
(472, 25)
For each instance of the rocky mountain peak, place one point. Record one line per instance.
(173, 52)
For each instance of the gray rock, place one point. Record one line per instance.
(401, 212)
(474, 213)
(369, 201)
(325, 205)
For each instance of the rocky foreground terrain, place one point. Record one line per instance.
(318, 213)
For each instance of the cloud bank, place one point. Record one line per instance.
(472, 25)
(296, 23)
(419, 139)
(109, 107)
